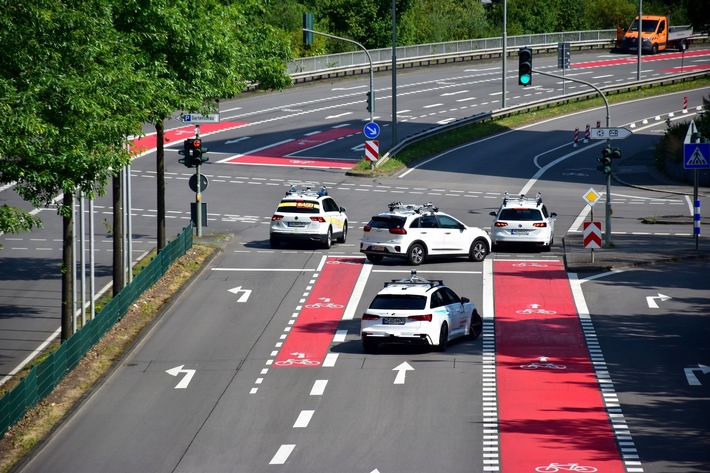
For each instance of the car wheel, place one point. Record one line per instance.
(274, 243)
(416, 254)
(548, 247)
(374, 258)
(328, 241)
(476, 325)
(479, 250)
(344, 236)
(443, 337)
(654, 49)
(369, 346)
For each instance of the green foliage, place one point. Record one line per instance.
(433, 21)
(67, 93)
(14, 220)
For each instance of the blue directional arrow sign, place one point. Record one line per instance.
(371, 130)
(696, 156)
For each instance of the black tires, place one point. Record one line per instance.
(476, 325)
(479, 250)
(344, 236)
(374, 258)
(416, 254)
(443, 338)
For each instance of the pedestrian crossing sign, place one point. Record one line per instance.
(696, 156)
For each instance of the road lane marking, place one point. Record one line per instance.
(282, 454)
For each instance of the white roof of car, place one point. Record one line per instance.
(411, 209)
(304, 192)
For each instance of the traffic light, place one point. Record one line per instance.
(194, 152)
(606, 160)
(615, 153)
(525, 68)
(371, 101)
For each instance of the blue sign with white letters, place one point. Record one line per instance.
(371, 130)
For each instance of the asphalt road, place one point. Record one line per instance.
(238, 413)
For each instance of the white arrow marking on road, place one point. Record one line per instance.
(692, 378)
(229, 142)
(185, 380)
(244, 297)
(401, 372)
(650, 300)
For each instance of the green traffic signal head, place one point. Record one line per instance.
(525, 66)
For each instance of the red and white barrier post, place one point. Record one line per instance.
(586, 134)
(576, 137)
(685, 104)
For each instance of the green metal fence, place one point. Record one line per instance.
(45, 376)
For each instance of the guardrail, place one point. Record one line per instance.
(536, 105)
(354, 63)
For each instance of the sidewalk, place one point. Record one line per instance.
(630, 250)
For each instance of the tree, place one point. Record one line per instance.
(68, 92)
(433, 21)
(197, 52)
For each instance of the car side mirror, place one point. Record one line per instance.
(553, 214)
(465, 300)
(342, 209)
(492, 214)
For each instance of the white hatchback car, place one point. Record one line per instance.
(415, 232)
(523, 220)
(307, 215)
(418, 311)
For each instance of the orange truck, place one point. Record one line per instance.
(656, 35)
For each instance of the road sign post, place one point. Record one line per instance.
(696, 155)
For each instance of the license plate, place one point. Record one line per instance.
(393, 321)
(296, 224)
(519, 232)
(377, 248)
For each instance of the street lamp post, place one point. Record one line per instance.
(372, 108)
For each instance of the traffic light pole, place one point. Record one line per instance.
(198, 193)
(372, 92)
(607, 207)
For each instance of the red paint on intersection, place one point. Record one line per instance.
(283, 154)
(312, 333)
(150, 142)
(632, 59)
(550, 408)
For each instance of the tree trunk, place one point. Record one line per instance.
(68, 269)
(119, 272)
(160, 170)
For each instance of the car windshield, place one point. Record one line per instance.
(398, 302)
(386, 222)
(299, 206)
(520, 214)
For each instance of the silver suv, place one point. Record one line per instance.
(523, 220)
(307, 215)
(414, 232)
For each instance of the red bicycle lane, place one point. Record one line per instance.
(312, 333)
(551, 411)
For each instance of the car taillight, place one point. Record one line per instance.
(501, 224)
(369, 317)
(277, 217)
(420, 318)
(318, 219)
(398, 231)
(540, 225)
(367, 228)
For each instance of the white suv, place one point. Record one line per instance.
(307, 215)
(415, 232)
(418, 311)
(523, 220)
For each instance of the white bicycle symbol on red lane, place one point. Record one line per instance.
(300, 362)
(554, 467)
(324, 305)
(535, 310)
(529, 265)
(550, 366)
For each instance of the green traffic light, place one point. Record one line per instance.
(525, 79)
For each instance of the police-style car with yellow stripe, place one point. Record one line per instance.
(307, 215)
